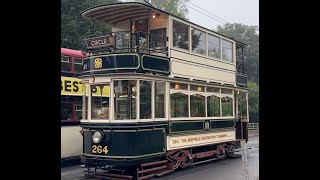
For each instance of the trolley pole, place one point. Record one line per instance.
(244, 159)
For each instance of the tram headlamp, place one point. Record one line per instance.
(97, 136)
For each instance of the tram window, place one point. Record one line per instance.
(180, 35)
(125, 95)
(100, 101)
(197, 105)
(145, 99)
(77, 65)
(213, 105)
(65, 59)
(197, 88)
(227, 106)
(227, 50)
(212, 89)
(242, 105)
(66, 111)
(214, 46)
(179, 105)
(226, 91)
(158, 38)
(123, 41)
(160, 102)
(78, 112)
(65, 63)
(198, 40)
(178, 86)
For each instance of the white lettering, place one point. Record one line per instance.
(98, 42)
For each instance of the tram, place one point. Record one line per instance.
(178, 94)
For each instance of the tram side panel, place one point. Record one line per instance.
(194, 67)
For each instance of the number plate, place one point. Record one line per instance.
(99, 149)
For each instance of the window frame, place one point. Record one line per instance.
(151, 100)
(69, 63)
(166, 94)
(216, 95)
(73, 112)
(69, 58)
(232, 51)
(207, 32)
(205, 41)
(219, 40)
(172, 35)
(233, 106)
(167, 98)
(90, 102)
(112, 101)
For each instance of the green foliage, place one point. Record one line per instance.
(248, 35)
(213, 106)
(176, 7)
(253, 101)
(242, 104)
(73, 27)
(227, 106)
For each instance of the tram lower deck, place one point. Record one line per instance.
(158, 121)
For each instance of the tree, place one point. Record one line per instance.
(176, 7)
(248, 35)
(253, 101)
(73, 27)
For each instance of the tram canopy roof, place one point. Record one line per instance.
(118, 12)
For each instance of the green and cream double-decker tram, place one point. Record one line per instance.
(178, 94)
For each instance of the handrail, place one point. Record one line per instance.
(127, 41)
(253, 126)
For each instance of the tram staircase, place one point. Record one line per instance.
(158, 168)
(111, 174)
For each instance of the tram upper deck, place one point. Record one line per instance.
(148, 40)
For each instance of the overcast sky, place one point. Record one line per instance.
(233, 11)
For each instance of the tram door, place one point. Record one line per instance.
(242, 117)
(140, 39)
(140, 25)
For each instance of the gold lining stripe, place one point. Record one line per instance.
(92, 155)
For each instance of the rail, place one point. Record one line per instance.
(128, 42)
(253, 126)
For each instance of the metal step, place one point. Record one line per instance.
(146, 177)
(154, 163)
(200, 162)
(162, 172)
(152, 169)
(106, 175)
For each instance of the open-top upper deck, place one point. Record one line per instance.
(177, 47)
